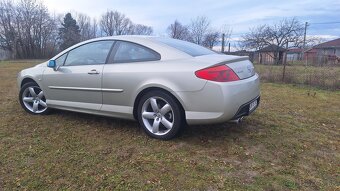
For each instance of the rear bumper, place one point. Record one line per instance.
(220, 102)
(244, 110)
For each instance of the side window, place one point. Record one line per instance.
(131, 52)
(60, 61)
(89, 54)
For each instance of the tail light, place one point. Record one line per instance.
(220, 73)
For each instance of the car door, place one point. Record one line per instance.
(76, 84)
(122, 74)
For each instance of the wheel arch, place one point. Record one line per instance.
(27, 80)
(148, 89)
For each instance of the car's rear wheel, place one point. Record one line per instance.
(32, 99)
(160, 115)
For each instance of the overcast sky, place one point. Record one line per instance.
(239, 14)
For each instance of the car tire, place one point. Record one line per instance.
(32, 99)
(160, 115)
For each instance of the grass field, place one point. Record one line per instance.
(320, 77)
(290, 143)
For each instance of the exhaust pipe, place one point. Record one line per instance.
(237, 121)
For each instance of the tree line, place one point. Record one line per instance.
(283, 34)
(199, 31)
(28, 30)
(286, 33)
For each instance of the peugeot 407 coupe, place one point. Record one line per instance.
(163, 83)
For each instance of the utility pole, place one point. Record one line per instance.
(304, 36)
(222, 49)
(304, 42)
(284, 63)
(229, 47)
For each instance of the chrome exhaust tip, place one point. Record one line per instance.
(237, 121)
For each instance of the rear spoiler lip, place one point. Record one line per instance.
(240, 58)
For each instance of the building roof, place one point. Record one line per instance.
(295, 50)
(330, 44)
(242, 51)
(312, 50)
(272, 48)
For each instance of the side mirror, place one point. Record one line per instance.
(52, 64)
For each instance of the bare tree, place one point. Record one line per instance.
(115, 23)
(26, 29)
(199, 32)
(139, 29)
(87, 27)
(107, 23)
(7, 27)
(199, 28)
(256, 38)
(211, 39)
(240, 46)
(48, 31)
(313, 40)
(278, 34)
(283, 34)
(94, 27)
(178, 31)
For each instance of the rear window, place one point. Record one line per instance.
(187, 47)
(131, 52)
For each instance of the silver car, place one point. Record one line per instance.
(163, 83)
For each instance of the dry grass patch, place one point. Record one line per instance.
(327, 77)
(290, 142)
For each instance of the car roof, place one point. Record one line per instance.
(166, 52)
(125, 38)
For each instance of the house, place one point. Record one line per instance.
(271, 54)
(310, 53)
(329, 48)
(310, 56)
(328, 52)
(294, 54)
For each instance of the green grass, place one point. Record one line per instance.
(290, 143)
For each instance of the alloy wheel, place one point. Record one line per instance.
(157, 115)
(34, 100)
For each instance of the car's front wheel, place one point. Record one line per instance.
(160, 115)
(32, 99)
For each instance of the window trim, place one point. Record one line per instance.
(106, 60)
(61, 56)
(116, 46)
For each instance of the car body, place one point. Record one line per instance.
(109, 75)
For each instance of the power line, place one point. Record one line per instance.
(309, 25)
(233, 34)
(325, 23)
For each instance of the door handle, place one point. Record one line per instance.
(93, 71)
